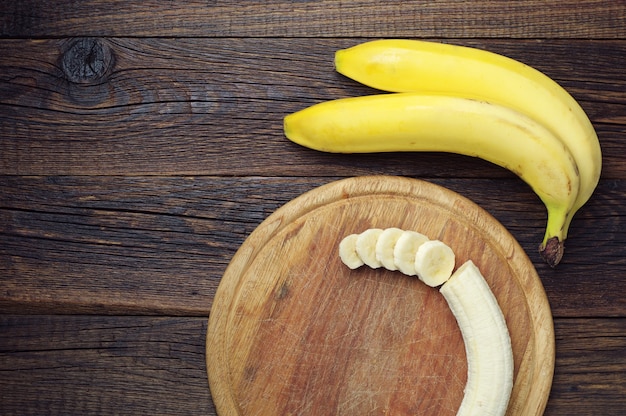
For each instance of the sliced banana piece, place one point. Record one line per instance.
(487, 342)
(366, 247)
(405, 250)
(385, 246)
(347, 252)
(434, 262)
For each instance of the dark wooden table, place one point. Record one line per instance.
(141, 142)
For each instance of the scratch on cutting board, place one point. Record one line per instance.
(360, 399)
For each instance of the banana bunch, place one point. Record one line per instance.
(483, 327)
(468, 101)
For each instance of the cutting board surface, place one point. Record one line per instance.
(293, 331)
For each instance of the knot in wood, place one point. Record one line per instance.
(86, 60)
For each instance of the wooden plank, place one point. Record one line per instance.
(161, 244)
(590, 364)
(105, 365)
(118, 244)
(520, 19)
(198, 107)
(88, 365)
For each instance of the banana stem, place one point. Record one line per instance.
(553, 244)
(552, 251)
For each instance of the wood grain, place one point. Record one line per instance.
(193, 107)
(282, 18)
(161, 244)
(103, 365)
(600, 344)
(141, 142)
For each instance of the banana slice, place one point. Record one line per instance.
(347, 252)
(405, 250)
(385, 247)
(434, 262)
(366, 247)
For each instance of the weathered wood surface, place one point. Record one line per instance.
(107, 365)
(141, 142)
(160, 244)
(326, 18)
(200, 106)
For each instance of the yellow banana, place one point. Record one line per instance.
(418, 66)
(441, 123)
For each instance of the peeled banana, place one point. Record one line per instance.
(485, 334)
(428, 67)
(444, 123)
(487, 342)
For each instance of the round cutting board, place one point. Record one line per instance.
(294, 331)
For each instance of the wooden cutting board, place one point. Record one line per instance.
(293, 331)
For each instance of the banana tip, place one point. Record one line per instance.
(293, 131)
(552, 251)
(338, 55)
